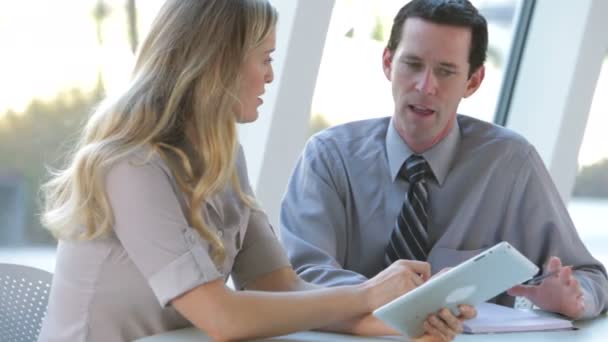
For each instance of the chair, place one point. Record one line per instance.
(24, 295)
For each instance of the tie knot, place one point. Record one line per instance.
(415, 169)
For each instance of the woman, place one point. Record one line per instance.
(154, 210)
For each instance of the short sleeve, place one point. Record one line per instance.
(261, 253)
(150, 224)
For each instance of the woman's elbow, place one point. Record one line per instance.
(210, 308)
(218, 326)
(219, 335)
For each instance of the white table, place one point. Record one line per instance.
(589, 331)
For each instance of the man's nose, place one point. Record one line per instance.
(427, 84)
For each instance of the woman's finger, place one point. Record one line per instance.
(452, 322)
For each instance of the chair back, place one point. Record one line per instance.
(24, 295)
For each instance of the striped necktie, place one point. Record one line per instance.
(409, 239)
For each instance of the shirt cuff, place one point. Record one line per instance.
(589, 300)
(185, 273)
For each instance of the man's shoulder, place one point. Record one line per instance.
(352, 136)
(478, 134)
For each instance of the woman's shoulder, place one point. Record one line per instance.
(143, 161)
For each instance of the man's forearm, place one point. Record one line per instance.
(330, 276)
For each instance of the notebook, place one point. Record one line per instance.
(492, 318)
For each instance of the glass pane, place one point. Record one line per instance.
(53, 74)
(589, 203)
(351, 85)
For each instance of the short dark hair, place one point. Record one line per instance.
(446, 12)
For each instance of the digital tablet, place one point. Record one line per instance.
(472, 282)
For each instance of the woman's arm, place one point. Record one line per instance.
(225, 314)
(285, 279)
(228, 315)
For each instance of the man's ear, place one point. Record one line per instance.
(475, 81)
(387, 63)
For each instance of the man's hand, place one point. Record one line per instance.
(560, 293)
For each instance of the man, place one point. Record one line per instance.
(467, 184)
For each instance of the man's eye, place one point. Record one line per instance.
(414, 65)
(445, 72)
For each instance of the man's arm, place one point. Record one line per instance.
(313, 222)
(542, 227)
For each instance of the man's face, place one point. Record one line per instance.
(429, 75)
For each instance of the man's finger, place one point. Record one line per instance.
(522, 290)
(553, 265)
(565, 276)
(577, 288)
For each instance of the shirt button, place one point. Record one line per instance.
(191, 236)
(220, 233)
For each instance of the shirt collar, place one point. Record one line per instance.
(439, 156)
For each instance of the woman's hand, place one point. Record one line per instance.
(403, 276)
(400, 277)
(444, 326)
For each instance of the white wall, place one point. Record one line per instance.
(274, 141)
(561, 63)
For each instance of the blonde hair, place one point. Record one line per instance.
(183, 92)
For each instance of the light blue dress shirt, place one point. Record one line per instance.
(490, 185)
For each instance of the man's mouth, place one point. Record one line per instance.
(421, 110)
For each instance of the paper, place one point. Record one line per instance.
(492, 318)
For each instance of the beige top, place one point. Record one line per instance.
(119, 288)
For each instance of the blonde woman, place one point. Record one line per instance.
(154, 210)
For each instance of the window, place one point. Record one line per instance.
(53, 73)
(589, 203)
(351, 85)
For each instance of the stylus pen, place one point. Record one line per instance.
(536, 280)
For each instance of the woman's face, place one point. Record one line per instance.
(256, 72)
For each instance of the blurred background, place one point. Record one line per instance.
(60, 58)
